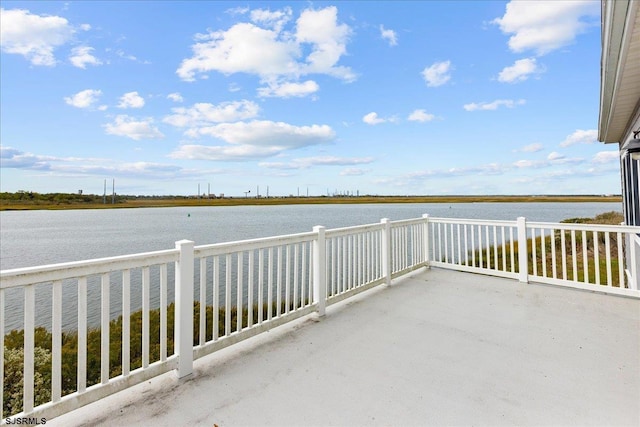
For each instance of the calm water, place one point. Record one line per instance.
(44, 237)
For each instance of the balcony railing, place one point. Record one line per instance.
(122, 320)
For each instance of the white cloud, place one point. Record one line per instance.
(124, 125)
(329, 39)
(389, 35)
(224, 153)
(544, 26)
(421, 116)
(33, 36)
(83, 99)
(487, 106)
(131, 100)
(554, 155)
(437, 74)
(519, 71)
(175, 97)
(272, 53)
(373, 119)
(253, 140)
(275, 20)
(268, 133)
(205, 114)
(532, 148)
(13, 158)
(289, 89)
(581, 137)
(606, 157)
(81, 57)
(307, 162)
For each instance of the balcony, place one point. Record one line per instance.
(377, 324)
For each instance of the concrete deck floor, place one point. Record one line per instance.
(437, 348)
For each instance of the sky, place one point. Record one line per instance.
(317, 98)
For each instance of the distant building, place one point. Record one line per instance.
(619, 121)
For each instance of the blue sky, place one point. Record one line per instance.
(372, 97)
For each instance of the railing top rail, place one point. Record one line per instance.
(335, 232)
(473, 221)
(250, 244)
(409, 221)
(587, 227)
(68, 270)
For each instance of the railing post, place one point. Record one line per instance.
(385, 250)
(634, 257)
(523, 256)
(183, 325)
(319, 270)
(427, 239)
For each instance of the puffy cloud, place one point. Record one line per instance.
(131, 100)
(606, 157)
(275, 20)
(389, 35)
(329, 39)
(253, 140)
(33, 36)
(205, 114)
(488, 106)
(420, 116)
(288, 90)
(175, 97)
(268, 133)
(437, 74)
(373, 119)
(519, 71)
(81, 57)
(544, 26)
(555, 156)
(124, 125)
(581, 137)
(83, 99)
(270, 52)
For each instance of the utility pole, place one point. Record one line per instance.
(267, 191)
(113, 192)
(104, 197)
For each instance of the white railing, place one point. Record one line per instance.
(576, 255)
(181, 304)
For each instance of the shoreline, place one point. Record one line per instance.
(131, 202)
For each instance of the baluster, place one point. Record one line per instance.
(104, 335)
(56, 342)
(203, 301)
(239, 298)
(145, 317)
(215, 272)
(163, 312)
(29, 344)
(126, 320)
(82, 335)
